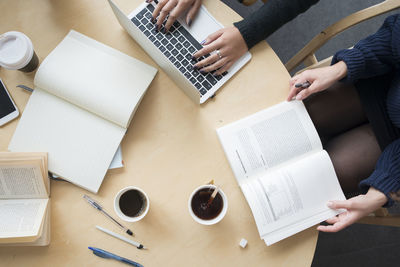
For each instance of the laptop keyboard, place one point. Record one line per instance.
(178, 45)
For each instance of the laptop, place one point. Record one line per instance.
(173, 51)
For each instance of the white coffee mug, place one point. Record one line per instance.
(220, 216)
(142, 212)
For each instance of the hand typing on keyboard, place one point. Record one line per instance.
(226, 46)
(178, 46)
(173, 9)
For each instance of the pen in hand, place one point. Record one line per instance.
(300, 86)
(100, 208)
(303, 85)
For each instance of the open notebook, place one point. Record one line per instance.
(85, 96)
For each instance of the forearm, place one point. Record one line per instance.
(375, 198)
(270, 17)
(339, 70)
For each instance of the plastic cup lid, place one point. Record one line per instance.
(16, 50)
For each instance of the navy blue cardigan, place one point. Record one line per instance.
(373, 56)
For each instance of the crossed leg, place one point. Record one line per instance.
(345, 133)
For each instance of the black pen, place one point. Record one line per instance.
(303, 85)
(100, 208)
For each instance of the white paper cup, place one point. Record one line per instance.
(220, 216)
(143, 211)
(17, 53)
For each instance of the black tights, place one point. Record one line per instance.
(345, 133)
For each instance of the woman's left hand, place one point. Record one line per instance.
(356, 208)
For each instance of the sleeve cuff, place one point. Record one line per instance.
(381, 181)
(355, 63)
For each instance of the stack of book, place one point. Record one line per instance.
(24, 199)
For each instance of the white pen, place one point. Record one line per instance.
(136, 244)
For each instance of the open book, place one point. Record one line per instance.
(85, 96)
(24, 199)
(282, 169)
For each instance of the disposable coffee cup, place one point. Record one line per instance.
(131, 204)
(17, 53)
(203, 212)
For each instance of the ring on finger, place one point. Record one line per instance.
(218, 53)
(208, 61)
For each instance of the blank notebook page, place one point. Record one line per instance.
(80, 145)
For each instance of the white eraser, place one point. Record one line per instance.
(243, 243)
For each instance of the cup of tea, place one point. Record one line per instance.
(17, 53)
(205, 211)
(131, 204)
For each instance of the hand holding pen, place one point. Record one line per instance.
(315, 80)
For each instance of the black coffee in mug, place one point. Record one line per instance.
(132, 203)
(201, 206)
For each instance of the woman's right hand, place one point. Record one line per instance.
(231, 46)
(320, 79)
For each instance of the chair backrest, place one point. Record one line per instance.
(307, 56)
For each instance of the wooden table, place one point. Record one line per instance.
(171, 147)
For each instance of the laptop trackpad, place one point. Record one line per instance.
(202, 26)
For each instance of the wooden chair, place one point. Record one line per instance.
(307, 54)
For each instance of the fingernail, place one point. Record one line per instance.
(195, 68)
(202, 72)
(190, 22)
(203, 42)
(329, 204)
(299, 97)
